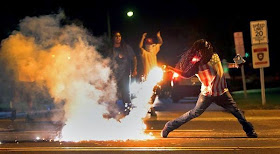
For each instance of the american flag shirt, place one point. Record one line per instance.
(211, 76)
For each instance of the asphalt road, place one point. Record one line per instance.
(212, 132)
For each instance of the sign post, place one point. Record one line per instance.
(260, 52)
(239, 49)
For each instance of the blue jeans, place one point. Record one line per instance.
(226, 101)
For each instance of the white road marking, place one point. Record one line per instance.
(47, 149)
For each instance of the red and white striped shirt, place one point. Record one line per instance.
(211, 76)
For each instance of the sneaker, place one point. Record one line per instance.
(252, 134)
(165, 131)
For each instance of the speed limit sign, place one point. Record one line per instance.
(260, 54)
(258, 32)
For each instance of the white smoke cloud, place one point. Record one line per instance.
(64, 59)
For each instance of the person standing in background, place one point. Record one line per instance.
(148, 51)
(124, 67)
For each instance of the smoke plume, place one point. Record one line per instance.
(61, 61)
(61, 58)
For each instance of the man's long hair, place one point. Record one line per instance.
(123, 44)
(201, 51)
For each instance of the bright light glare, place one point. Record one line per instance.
(175, 75)
(195, 59)
(129, 13)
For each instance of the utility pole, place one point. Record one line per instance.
(108, 24)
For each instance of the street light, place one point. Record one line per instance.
(130, 13)
(108, 24)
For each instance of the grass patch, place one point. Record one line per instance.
(254, 99)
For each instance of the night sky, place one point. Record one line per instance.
(180, 22)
